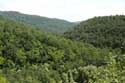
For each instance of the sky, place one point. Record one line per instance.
(71, 10)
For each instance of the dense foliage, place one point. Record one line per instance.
(107, 31)
(32, 56)
(44, 23)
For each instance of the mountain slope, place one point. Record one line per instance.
(44, 23)
(107, 31)
(28, 55)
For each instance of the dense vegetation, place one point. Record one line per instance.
(44, 23)
(107, 31)
(28, 55)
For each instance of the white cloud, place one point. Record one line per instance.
(72, 10)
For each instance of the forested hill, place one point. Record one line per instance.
(44, 23)
(107, 31)
(32, 56)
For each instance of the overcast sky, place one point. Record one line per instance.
(71, 10)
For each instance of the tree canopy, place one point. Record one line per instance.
(28, 55)
(107, 31)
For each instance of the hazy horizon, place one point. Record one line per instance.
(70, 10)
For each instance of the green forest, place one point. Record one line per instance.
(107, 31)
(90, 52)
(44, 23)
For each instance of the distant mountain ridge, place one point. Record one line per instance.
(44, 23)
